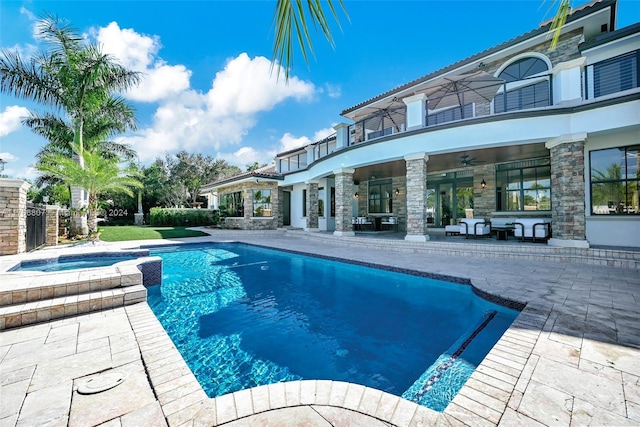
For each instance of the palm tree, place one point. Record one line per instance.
(75, 78)
(98, 175)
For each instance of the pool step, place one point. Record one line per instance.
(27, 298)
(13, 316)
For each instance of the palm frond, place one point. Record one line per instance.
(559, 19)
(290, 21)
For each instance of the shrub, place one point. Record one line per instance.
(181, 217)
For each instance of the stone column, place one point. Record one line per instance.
(344, 209)
(568, 222)
(13, 216)
(52, 225)
(416, 197)
(484, 199)
(312, 206)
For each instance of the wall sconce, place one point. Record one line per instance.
(356, 195)
(397, 191)
(483, 183)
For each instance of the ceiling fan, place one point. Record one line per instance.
(466, 160)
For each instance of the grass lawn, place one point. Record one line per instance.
(135, 232)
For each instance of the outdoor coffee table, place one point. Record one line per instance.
(502, 233)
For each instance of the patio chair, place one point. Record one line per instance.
(364, 221)
(532, 228)
(474, 227)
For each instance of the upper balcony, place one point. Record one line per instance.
(525, 84)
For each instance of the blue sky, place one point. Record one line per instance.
(207, 86)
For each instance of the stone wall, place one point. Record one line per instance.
(484, 199)
(52, 226)
(312, 205)
(248, 221)
(344, 193)
(13, 216)
(568, 196)
(416, 197)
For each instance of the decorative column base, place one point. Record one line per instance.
(138, 218)
(312, 229)
(78, 226)
(344, 233)
(568, 243)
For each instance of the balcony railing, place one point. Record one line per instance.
(294, 162)
(613, 75)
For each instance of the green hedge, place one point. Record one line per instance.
(182, 217)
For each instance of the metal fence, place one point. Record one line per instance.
(36, 226)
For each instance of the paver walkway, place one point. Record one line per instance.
(571, 358)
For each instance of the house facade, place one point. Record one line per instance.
(518, 130)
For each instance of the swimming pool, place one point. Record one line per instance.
(77, 261)
(244, 316)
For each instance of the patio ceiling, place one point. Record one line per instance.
(452, 161)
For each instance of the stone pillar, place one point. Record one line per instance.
(344, 208)
(416, 111)
(312, 206)
(13, 216)
(484, 199)
(52, 225)
(568, 224)
(416, 197)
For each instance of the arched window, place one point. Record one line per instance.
(527, 85)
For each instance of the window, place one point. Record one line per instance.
(304, 203)
(321, 201)
(380, 197)
(333, 202)
(232, 204)
(262, 202)
(527, 86)
(615, 180)
(524, 186)
(616, 74)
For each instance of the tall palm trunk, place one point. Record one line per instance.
(80, 225)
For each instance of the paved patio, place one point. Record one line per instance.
(571, 358)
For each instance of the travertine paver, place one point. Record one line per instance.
(571, 358)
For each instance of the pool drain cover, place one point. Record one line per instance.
(101, 383)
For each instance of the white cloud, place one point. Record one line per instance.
(139, 53)
(289, 141)
(333, 90)
(29, 173)
(247, 86)
(247, 156)
(10, 119)
(221, 117)
(8, 157)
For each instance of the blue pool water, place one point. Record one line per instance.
(74, 262)
(244, 316)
